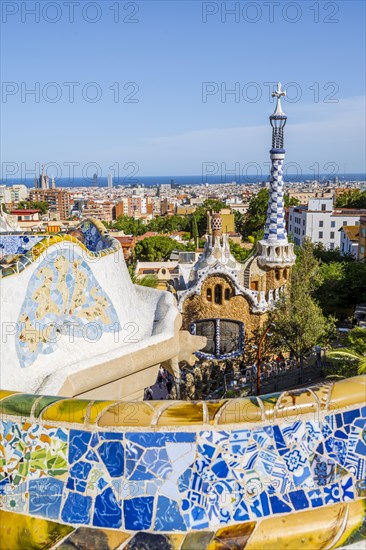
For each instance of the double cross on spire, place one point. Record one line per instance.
(279, 93)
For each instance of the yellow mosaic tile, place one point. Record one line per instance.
(240, 410)
(234, 536)
(68, 410)
(295, 403)
(345, 393)
(6, 393)
(308, 530)
(213, 409)
(269, 403)
(130, 414)
(85, 538)
(96, 409)
(18, 532)
(323, 393)
(196, 540)
(356, 516)
(181, 414)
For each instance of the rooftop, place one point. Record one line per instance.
(352, 232)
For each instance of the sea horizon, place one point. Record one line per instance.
(153, 181)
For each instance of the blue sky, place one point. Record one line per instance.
(169, 53)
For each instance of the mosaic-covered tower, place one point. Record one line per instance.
(274, 250)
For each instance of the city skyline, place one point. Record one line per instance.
(206, 99)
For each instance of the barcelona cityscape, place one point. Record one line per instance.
(183, 275)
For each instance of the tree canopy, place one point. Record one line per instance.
(298, 324)
(36, 205)
(351, 199)
(158, 248)
(342, 282)
(239, 253)
(255, 216)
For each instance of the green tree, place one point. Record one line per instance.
(342, 286)
(293, 201)
(239, 221)
(155, 249)
(213, 205)
(298, 322)
(255, 216)
(147, 280)
(239, 253)
(200, 214)
(352, 199)
(34, 205)
(326, 255)
(129, 226)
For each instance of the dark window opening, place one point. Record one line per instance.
(207, 329)
(227, 293)
(209, 295)
(218, 294)
(224, 337)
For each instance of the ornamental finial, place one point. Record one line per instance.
(279, 93)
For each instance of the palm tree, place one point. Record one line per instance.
(355, 350)
(151, 281)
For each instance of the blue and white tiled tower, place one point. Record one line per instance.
(274, 250)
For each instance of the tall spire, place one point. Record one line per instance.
(274, 249)
(275, 224)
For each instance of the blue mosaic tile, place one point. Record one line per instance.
(278, 506)
(347, 489)
(332, 494)
(110, 436)
(194, 481)
(279, 440)
(241, 513)
(77, 509)
(220, 468)
(315, 497)
(94, 241)
(71, 305)
(299, 500)
(152, 439)
(138, 513)
(18, 244)
(260, 505)
(198, 518)
(107, 512)
(168, 516)
(112, 455)
(45, 497)
(184, 480)
(78, 444)
(80, 470)
(350, 416)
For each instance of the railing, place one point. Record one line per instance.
(273, 378)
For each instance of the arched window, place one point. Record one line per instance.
(209, 295)
(225, 337)
(285, 273)
(218, 294)
(277, 274)
(227, 293)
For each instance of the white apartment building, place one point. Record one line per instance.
(349, 240)
(14, 193)
(321, 222)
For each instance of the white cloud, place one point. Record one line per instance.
(326, 133)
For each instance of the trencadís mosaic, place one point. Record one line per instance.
(177, 480)
(62, 293)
